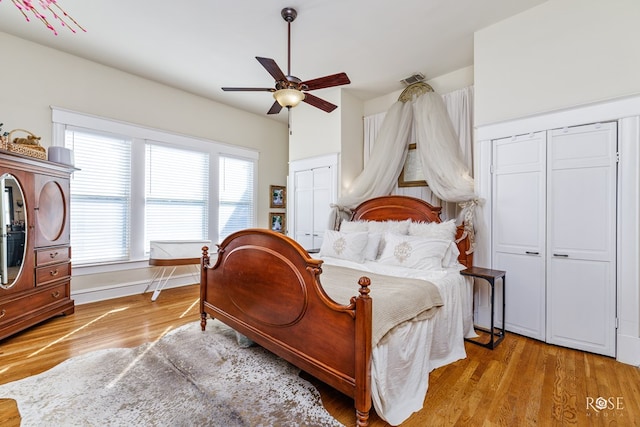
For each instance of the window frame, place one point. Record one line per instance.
(61, 118)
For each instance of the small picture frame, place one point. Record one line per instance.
(278, 222)
(277, 196)
(411, 174)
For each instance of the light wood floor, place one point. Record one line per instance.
(522, 382)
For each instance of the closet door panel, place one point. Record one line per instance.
(579, 311)
(579, 227)
(525, 304)
(518, 223)
(321, 203)
(303, 183)
(581, 277)
(519, 194)
(518, 219)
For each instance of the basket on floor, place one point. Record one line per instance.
(29, 146)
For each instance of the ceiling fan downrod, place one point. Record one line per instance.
(289, 14)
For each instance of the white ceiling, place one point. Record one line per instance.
(201, 45)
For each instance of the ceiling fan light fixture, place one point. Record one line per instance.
(288, 97)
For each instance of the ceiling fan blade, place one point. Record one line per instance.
(327, 81)
(248, 89)
(319, 103)
(275, 108)
(273, 69)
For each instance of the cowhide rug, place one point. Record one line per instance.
(187, 378)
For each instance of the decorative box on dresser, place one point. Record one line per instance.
(35, 201)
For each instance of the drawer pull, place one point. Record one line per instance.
(561, 255)
(2, 313)
(55, 294)
(54, 272)
(53, 254)
(532, 253)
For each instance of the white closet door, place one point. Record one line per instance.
(303, 199)
(322, 186)
(519, 230)
(313, 197)
(581, 236)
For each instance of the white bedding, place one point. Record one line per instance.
(403, 358)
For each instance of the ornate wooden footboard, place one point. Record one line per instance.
(266, 286)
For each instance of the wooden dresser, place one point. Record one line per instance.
(35, 281)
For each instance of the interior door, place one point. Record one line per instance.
(303, 211)
(518, 226)
(581, 238)
(321, 203)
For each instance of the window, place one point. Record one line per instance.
(176, 194)
(100, 196)
(236, 196)
(137, 184)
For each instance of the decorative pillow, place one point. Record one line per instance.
(390, 226)
(373, 246)
(413, 251)
(397, 227)
(438, 230)
(348, 246)
(350, 226)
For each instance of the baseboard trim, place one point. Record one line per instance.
(628, 350)
(85, 296)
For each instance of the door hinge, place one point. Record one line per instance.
(617, 157)
(617, 323)
(491, 169)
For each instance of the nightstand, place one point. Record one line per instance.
(496, 334)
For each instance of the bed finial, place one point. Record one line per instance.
(364, 283)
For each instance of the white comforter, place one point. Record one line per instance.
(403, 358)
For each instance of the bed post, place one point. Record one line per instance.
(204, 263)
(363, 353)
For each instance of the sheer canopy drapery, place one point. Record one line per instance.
(423, 116)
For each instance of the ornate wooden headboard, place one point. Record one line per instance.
(400, 208)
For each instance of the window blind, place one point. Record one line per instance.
(236, 193)
(100, 196)
(176, 194)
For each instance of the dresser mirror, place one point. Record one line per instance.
(14, 228)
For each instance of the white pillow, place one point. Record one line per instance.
(397, 227)
(373, 246)
(450, 258)
(438, 230)
(348, 246)
(350, 226)
(413, 252)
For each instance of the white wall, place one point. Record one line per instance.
(315, 132)
(35, 77)
(442, 84)
(352, 153)
(560, 54)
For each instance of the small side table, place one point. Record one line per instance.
(496, 334)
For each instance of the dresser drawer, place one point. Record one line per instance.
(53, 255)
(51, 273)
(15, 308)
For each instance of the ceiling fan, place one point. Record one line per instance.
(289, 90)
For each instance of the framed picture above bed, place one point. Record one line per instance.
(411, 174)
(277, 196)
(278, 222)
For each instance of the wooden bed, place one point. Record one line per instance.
(267, 287)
